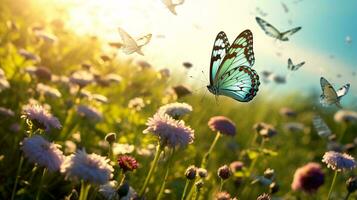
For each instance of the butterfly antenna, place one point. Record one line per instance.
(203, 81)
(204, 75)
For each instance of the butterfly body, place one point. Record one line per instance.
(329, 95)
(231, 74)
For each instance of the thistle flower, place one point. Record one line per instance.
(121, 149)
(191, 172)
(81, 78)
(5, 112)
(40, 117)
(264, 197)
(48, 90)
(182, 90)
(109, 191)
(136, 103)
(339, 161)
(308, 178)
(127, 163)
(169, 131)
(236, 166)
(224, 172)
(347, 116)
(89, 112)
(287, 112)
(40, 151)
(265, 130)
(175, 110)
(88, 167)
(223, 196)
(223, 125)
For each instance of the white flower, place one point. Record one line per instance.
(109, 190)
(122, 148)
(40, 151)
(136, 103)
(176, 110)
(48, 90)
(345, 116)
(70, 146)
(88, 167)
(81, 78)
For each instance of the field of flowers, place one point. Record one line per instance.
(77, 123)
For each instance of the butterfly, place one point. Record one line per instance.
(171, 5)
(275, 33)
(320, 126)
(293, 67)
(130, 45)
(329, 95)
(231, 74)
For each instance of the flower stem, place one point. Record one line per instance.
(17, 177)
(347, 196)
(84, 190)
(152, 168)
(221, 185)
(252, 165)
(332, 184)
(168, 166)
(206, 156)
(343, 131)
(185, 189)
(40, 186)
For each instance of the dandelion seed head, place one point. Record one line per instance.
(40, 151)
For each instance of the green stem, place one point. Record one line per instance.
(206, 156)
(221, 185)
(343, 131)
(196, 194)
(185, 189)
(252, 165)
(152, 168)
(40, 186)
(17, 178)
(347, 196)
(332, 184)
(84, 190)
(162, 187)
(122, 179)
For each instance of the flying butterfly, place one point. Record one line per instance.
(320, 126)
(171, 5)
(231, 74)
(293, 67)
(274, 32)
(329, 95)
(129, 45)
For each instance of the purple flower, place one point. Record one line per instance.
(41, 117)
(308, 178)
(339, 161)
(170, 132)
(89, 113)
(223, 125)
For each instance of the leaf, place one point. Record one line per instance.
(269, 152)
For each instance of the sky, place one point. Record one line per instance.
(189, 36)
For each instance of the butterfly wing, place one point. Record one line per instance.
(320, 126)
(144, 40)
(268, 28)
(290, 64)
(291, 32)
(235, 77)
(299, 65)
(130, 44)
(343, 91)
(329, 95)
(220, 48)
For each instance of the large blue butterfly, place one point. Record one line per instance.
(231, 74)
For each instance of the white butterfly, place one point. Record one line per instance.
(171, 5)
(320, 126)
(130, 45)
(293, 67)
(329, 95)
(275, 33)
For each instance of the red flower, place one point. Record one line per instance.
(127, 163)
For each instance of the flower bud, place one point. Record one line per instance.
(202, 172)
(269, 173)
(224, 172)
(191, 172)
(110, 138)
(273, 187)
(199, 184)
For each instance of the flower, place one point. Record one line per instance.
(70, 146)
(144, 64)
(40, 151)
(81, 78)
(109, 191)
(347, 116)
(115, 78)
(41, 73)
(4, 84)
(202, 172)
(100, 98)
(287, 112)
(224, 172)
(176, 110)
(41, 117)
(339, 161)
(191, 172)
(110, 137)
(265, 130)
(264, 197)
(223, 196)
(137, 103)
(89, 112)
(308, 178)
(89, 167)
(122, 148)
(127, 163)
(236, 166)
(47, 37)
(351, 184)
(170, 132)
(223, 125)
(164, 73)
(48, 91)
(28, 55)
